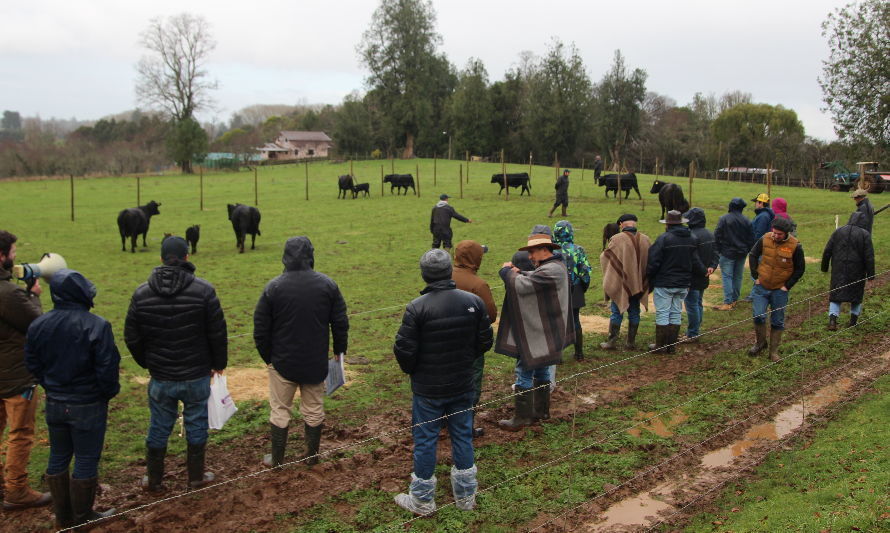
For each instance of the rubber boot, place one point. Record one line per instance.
(153, 479)
(832, 322)
(195, 465)
(853, 320)
(579, 345)
(61, 493)
(673, 335)
(775, 339)
(463, 486)
(522, 413)
(661, 335)
(313, 441)
(632, 335)
(541, 400)
(24, 498)
(83, 496)
(421, 495)
(278, 438)
(614, 330)
(760, 341)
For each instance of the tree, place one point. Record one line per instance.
(186, 141)
(757, 134)
(173, 76)
(856, 77)
(410, 77)
(470, 111)
(619, 97)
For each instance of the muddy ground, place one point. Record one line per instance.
(249, 497)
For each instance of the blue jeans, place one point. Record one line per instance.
(524, 377)
(834, 308)
(163, 402)
(75, 430)
(776, 300)
(633, 312)
(458, 410)
(668, 305)
(733, 271)
(694, 312)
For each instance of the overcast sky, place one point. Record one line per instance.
(77, 59)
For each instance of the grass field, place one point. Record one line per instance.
(371, 248)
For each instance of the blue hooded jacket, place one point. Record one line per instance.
(70, 350)
(734, 233)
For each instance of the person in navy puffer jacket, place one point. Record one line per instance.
(72, 353)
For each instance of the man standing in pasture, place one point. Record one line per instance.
(777, 263)
(851, 255)
(295, 318)
(863, 206)
(18, 388)
(763, 217)
(536, 326)
(734, 236)
(443, 333)
(181, 350)
(707, 252)
(672, 265)
(440, 222)
(562, 193)
(467, 260)
(597, 166)
(624, 279)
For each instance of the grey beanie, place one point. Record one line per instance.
(782, 224)
(541, 228)
(435, 265)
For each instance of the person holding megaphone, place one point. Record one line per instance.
(18, 309)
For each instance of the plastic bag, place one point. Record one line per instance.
(336, 374)
(220, 405)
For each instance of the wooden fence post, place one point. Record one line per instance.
(529, 165)
(256, 190)
(504, 176)
(201, 185)
(381, 181)
(460, 180)
(138, 191)
(691, 177)
(468, 166)
(71, 179)
(417, 171)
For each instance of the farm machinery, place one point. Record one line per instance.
(868, 177)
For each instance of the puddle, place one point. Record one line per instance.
(641, 508)
(658, 425)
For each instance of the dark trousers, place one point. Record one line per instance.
(163, 403)
(442, 236)
(76, 430)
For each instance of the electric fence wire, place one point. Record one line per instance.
(690, 448)
(638, 424)
(496, 400)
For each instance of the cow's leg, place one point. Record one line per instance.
(639, 196)
(143, 239)
(133, 243)
(501, 190)
(253, 241)
(123, 242)
(241, 243)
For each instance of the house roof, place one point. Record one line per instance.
(272, 147)
(318, 136)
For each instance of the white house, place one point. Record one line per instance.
(297, 145)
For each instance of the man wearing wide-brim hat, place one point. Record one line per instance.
(672, 263)
(863, 205)
(536, 326)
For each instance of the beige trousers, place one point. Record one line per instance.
(281, 400)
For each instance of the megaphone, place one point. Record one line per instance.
(49, 264)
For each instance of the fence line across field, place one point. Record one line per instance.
(506, 397)
(691, 447)
(641, 422)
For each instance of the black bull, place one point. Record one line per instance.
(245, 219)
(402, 181)
(628, 182)
(345, 184)
(514, 180)
(670, 196)
(135, 221)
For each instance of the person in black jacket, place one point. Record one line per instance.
(440, 222)
(734, 236)
(672, 265)
(707, 252)
(181, 350)
(291, 327)
(863, 206)
(562, 193)
(442, 333)
(851, 255)
(72, 353)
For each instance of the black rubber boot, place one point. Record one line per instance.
(195, 465)
(60, 491)
(832, 322)
(612, 341)
(661, 335)
(579, 345)
(760, 341)
(83, 496)
(673, 335)
(541, 400)
(153, 479)
(278, 437)
(775, 339)
(853, 320)
(313, 441)
(522, 413)
(632, 335)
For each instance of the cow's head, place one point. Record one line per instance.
(600, 181)
(387, 179)
(151, 208)
(656, 187)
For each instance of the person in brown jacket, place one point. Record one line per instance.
(18, 392)
(467, 260)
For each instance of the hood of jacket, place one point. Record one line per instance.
(563, 233)
(696, 217)
(298, 254)
(737, 204)
(780, 207)
(766, 210)
(171, 279)
(441, 203)
(439, 285)
(679, 230)
(468, 254)
(71, 288)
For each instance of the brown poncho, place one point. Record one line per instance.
(624, 268)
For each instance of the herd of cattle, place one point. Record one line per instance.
(245, 219)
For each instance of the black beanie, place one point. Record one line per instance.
(173, 248)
